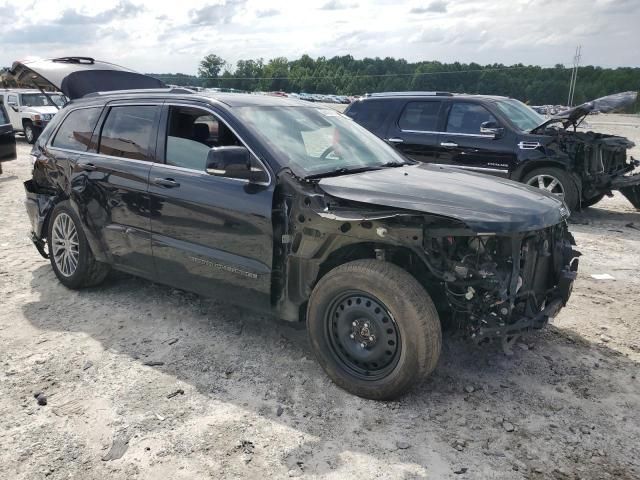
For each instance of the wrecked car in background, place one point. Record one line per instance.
(599, 161)
(299, 212)
(503, 137)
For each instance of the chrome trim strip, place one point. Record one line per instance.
(174, 167)
(479, 169)
(523, 145)
(478, 135)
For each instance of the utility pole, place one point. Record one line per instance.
(574, 75)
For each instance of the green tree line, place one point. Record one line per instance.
(349, 76)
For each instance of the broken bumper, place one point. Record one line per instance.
(629, 186)
(560, 296)
(38, 206)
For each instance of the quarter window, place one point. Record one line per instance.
(420, 116)
(128, 132)
(467, 118)
(76, 129)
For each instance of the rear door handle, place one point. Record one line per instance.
(88, 167)
(448, 144)
(166, 182)
(395, 140)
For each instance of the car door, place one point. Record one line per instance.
(110, 180)
(13, 109)
(210, 234)
(7, 138)
(415, 130)
(464, 145)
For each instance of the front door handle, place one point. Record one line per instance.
(88, 167)
(448, 145)
(166, 182)
(395, 140)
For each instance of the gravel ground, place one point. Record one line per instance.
(143, 381)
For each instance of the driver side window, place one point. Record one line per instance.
(467, 118)
(191, 133)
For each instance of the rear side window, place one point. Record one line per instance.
(467, 118)
(420, 116)
(128, 132)
(76, 129)
(3, 116)
(370, 114)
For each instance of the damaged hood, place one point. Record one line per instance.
(485, 204)
(610, 103)
(76, 77)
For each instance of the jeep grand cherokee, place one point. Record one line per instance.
(297, 211)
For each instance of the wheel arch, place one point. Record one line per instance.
(530, 166)
(304, 274)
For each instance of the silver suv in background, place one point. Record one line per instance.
(30, 110)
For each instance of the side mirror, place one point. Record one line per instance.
(13, 105)
(230, 162)
(491, 128)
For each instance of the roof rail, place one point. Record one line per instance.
(86, 60)
(172, 90)
(410, 94)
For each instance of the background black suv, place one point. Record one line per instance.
(502, 136)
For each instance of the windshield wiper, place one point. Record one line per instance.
(342, 171)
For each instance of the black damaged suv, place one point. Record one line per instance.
(294, 210)
(503, 137)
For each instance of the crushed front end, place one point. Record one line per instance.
(602, 163)
(501, 286)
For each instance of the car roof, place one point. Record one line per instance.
(229, 99)
(429, 95)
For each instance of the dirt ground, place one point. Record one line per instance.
(253, 403)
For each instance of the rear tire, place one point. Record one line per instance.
(71, 258)
(557, 181)
(373, 328)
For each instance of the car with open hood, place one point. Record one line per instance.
(503, 137)
(295, 210)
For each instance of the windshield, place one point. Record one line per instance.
(316, 141)
(40, 100)
(523, 117)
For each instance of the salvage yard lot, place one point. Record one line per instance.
(192, 388)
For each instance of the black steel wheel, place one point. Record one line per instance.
(363, 335)
(379, 339)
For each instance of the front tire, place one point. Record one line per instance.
(71, 258)
(556, 181)
(589, 202)
(373, 328)
(31, 133)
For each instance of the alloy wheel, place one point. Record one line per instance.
(548, 183)
(363, 335)
(28, 133)
(65, 245)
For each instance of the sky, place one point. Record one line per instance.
(169, 37)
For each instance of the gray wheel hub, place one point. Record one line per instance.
(547, 182)
(65, 245)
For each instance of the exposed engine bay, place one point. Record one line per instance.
(500, 285)
(488, 285)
